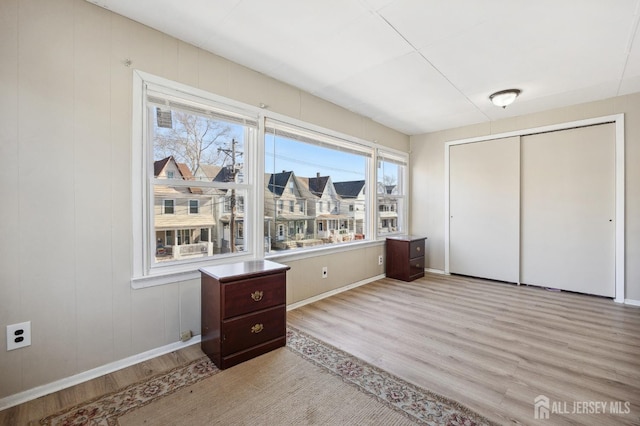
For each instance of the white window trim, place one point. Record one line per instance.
(145, 276)
(403, 217)
(338, 141)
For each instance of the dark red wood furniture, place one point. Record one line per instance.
(405, 257)
(243, 310)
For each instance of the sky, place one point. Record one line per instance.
(284, 154)
(305, 160)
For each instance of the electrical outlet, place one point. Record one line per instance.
(18, 335)
(380, 260)
(185, 335)
(325, 272)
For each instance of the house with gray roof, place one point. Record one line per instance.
(353, 201)
(184, 217)
(289, 214)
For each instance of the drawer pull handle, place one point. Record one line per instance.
(417, 265)
(257, 295)
(418, 248)
(257, 328)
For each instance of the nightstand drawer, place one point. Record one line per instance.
(416, 267)
(416, 249)
(253, 294)
(251, 330)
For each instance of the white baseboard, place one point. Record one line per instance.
(332, 292)
(58, 385)
(632, 302)
(435, 271)
(37, 392)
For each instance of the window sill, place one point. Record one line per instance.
(178, 273)
(322, 250)
(192, 272)
(138, 283)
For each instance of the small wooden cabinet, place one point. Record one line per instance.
(405, 257)
(243, 310)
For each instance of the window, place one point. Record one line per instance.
(198, 175)
(204, 148)
(195, 153)
(194, 206)
(304, 168)
(390, 188)
(184, 236)
(168, 206)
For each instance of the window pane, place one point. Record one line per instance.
(210, 230)
(189, 146)
(168, 206)
(389, 178)
(390, 196)
(194, 142)
(315, 193)
(194, 206)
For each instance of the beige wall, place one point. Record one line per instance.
(65, 180)
(427, 175)
(342, 269)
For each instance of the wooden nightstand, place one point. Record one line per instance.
(243, 310)
(405, 257)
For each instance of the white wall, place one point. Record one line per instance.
(65, 180)
(427, 175)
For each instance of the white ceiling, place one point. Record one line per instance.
(418, 65)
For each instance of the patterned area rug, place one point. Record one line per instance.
(417, 404)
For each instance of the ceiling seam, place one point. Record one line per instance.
(431, 64)
(632, 36)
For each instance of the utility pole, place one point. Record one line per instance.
(232, 221)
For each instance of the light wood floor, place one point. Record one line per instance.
(491, 346)
(31, 412)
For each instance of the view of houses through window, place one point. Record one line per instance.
(315, 185)
(390, 192)
(315, 189)
(198, 159)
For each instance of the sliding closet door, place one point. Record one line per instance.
(568, 210)
(484, 186)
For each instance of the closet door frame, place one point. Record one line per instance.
(618, 119)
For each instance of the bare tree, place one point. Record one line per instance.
(192, 140)
(388, 184)
(389, 180)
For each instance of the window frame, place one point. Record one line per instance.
(301, 132)
(144, 241)
(165, 207)
(402, 224)
(190, 208)
(145, 272)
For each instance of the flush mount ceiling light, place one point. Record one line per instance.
(504, 97)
